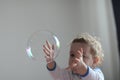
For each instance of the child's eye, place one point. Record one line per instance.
(72, 55)
(84, 56)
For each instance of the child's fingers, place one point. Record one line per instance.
(71, 66)
(46, 50)
(76, 60)
(46, 57)
(68, 68)
(49, 45)
(80, 53)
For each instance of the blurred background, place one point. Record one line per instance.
(66, 18)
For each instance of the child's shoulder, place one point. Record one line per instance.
(97, 69)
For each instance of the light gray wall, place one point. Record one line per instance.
(20, 18)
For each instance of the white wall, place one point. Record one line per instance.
(20, 18)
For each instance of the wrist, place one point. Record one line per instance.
(86, 72)
(51, 66)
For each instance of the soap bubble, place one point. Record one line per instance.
(37, 40)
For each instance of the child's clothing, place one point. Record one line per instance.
(62, 74)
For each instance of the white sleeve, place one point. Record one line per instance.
(59, 74)
(93, 74)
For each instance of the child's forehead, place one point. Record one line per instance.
(84, 45)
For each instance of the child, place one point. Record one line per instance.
(86, 55)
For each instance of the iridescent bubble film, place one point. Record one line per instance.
(35, 44)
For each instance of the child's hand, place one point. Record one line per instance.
(49, 52)
(78, 66)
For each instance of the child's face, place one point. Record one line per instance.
(87, 56)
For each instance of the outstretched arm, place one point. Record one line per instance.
(49, 54)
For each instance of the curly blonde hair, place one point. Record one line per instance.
(94, 42)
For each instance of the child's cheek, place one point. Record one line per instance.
(85, 61)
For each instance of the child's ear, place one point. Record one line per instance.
(95, 60)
